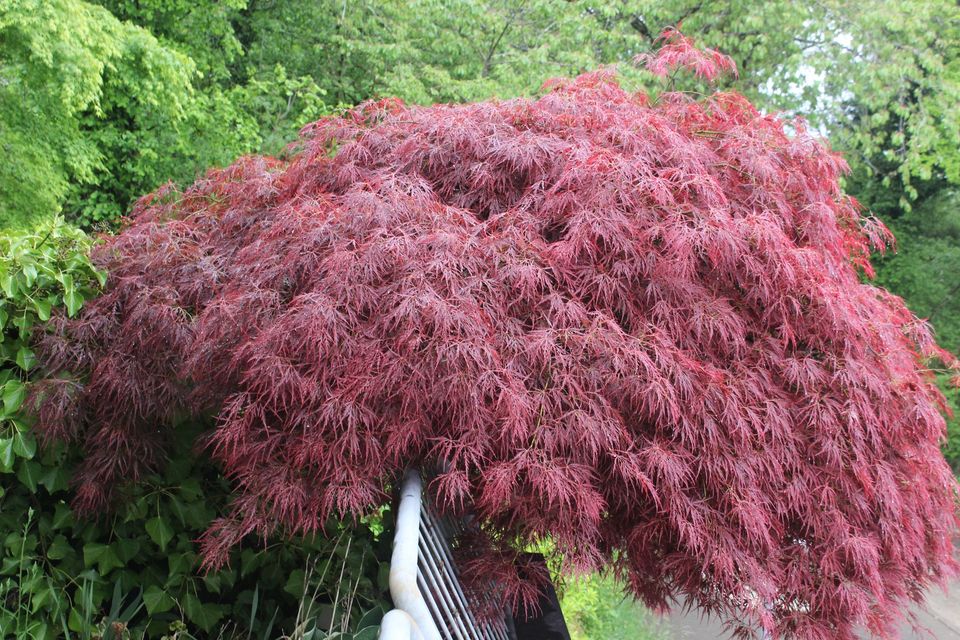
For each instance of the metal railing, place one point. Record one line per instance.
(424, 580)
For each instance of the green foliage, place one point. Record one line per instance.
(204, 31)
(428, 50)
(898, 86)
(142, 560)
(924, 271)
(133, 571)
(925, 267)
(124, 108)
(596, 608)
(142, 152)
(951, 448)
(63, 63)
(39, 271)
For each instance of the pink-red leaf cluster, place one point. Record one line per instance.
(678, 51)
(638, 330)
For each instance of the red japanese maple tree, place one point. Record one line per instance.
(637, 328)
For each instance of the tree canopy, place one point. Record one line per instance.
(634, 325)
(59, 60)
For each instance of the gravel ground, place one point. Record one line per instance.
(941, 618)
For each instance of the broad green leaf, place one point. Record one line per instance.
(55, 478)
(294, 585)
(92, 553)
(62, 516)
(127, 548)
(367, 633)
(203, 615)
(23, 322)
(212, 582)
(6, 283)
(181, 563)
(24, 444)
(28, 472)
(101, 555)
(73, 301)
(157, 600)
(14, 392)
(77, 622)
(6, 455)
(25, 358)
(39, 597)
(59, 548)
(370, 618)
(160, 532)
(30, 273)
(43, 309)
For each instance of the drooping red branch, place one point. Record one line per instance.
(677, 51)
(638, 330)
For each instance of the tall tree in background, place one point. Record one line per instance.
(59, 61)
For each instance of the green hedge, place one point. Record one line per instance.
(133, 572)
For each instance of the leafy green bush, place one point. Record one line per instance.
(596, 608)
(133, 572)
(924, 272)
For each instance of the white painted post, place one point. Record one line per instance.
(403, 567)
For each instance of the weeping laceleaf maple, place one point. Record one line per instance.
(635, 328)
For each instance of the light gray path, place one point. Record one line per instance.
(941, 618)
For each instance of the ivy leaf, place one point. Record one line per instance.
(127, 548)
(62, 517)
(160, 532)
(25, 358)
(181, 563)
(101, 555)
(43, 309)
(203, 615)
(6, 283)
(59, 548)
(6, 455)
(367, 633)
(30, 273)
(28, 473)
(212, 582)
(157, 600)
(73, 300)
(56, 478)
(23, 322)
(24, 444)
(13, 393)
(78, 622)
(295, 583)
(370, 618)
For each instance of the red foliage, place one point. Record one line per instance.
(678, 51)
(638, 330)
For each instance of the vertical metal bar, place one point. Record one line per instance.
(436, 534)
(442, 551)
(436, 587)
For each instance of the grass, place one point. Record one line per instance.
(596, 608)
